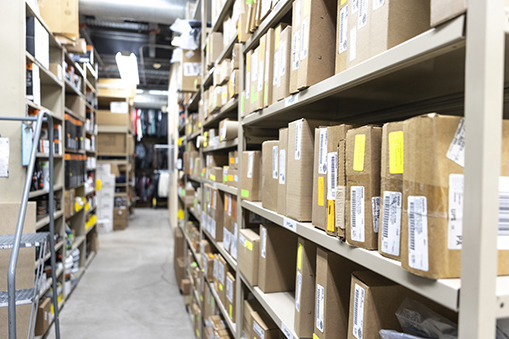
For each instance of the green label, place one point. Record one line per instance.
(254, 97)
(225, 178)
(244, 193)
(249, 2)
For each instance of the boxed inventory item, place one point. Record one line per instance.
(300, 168)
(431, 235)
(444, 10)
(342, 36)
(264, 326)
(214, 47)
(338, 135)
(251, 306)
(225, 71)
(69, 199)
(222, 270)
(282, 62)
(61, 17)
(37, 41)
(216, 174)
(179, 244)
(276, 268)
(232, 177)
(208, 266)
(251, 176)
(120, 218)
(269, 66)
(270, 177)
(391, 190)
(190, 70)
(359, 21)
(228, 129)
(230, 296)
(210, 306)
(248, 255)
(295, 46)
(283, 161)
(233, 159)
(224, 94)
(214, 217)
(333, 279)
(216, 160)
(317, 57)
(44, 317)
(233, 84)
(243, 26)
(235, 62)
(320, 204)
(305, 288)
(185, 286)
(180, 270)
(246, 100)
(363, 147)
(257, 76)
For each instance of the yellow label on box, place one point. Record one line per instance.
(231, 317)
(249, 245)
(98, 184)
(248, 64)
(315, 336)
(331, 216)
(220, 286)
(244, 194)
(225, 202)
(299, 257)
(212, 177)
(277, 33)
(396, 152)
(232, 160)
(230, 177)
(262, 49)
(197, 333)
(320, 191)
(225, 178)
(358, 152)
(305, 10)
(180, 141)
(181, 214)
(343, 2)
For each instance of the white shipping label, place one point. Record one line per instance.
(332, 176)
(377, 4)
(363, 14)
(213, 228)
(282, 166)
(290, 224)
(391, 222)
(320, 300)
(297, 13)
(216, 269)
(264, 243)
(455, 212)
(258, 330)
(286, 331)
(215, 199)
(226, 239)
(248, 84)
(254, 65)
(298, 139)
(322, 152)
(242, 240)
(266, 79)
(260, 78)
(275, 72)
(221, 273)
(357, 213)
(305, 39)
(456, 150)
(375, 210)
(192, 69)
(229, 289)
(358, 311)
(292, 99)
(343, 29)
(4, 157)
(355, 6)
(233, 243)
(250, 165)
(418, 233)
(274, 162)
(503, 214)
(353, 44)
(229, 206)
(298, 288)
(295, 50)
(282, 54)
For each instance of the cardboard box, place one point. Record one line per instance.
(216, 174)
(276, 268)
(342, 35)
(120, 218)
(225, 70)
(282, 62)
(235, 62)
(214, 47)
(243, 27)
(69, 196)
(233, 159)
(111, 143)
(180, 270)
(318, 27)
(305, 288)
(251, 306)
(190, 70)
(210, 306)
(444, 10)
(44, 317)
(233, 84)
(228, 129)
(185, 286)
(246, 107)
(269, 67)
(283, 162)
(295, 46)
(300, 168)
(248, 255)
(230, 296)
(62, 17)
(264, 326)
(333, 279)
(222, 270)
(257, 75)
(105, 117)
(215, 209)
(363, 150)
(359, 21)
(179, 244)
(251, 176)
(270, 177)
(391, 190)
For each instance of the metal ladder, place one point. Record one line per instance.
(12, 297)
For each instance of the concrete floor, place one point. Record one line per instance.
(129, 290)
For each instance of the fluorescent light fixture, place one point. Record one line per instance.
(157, 92)
(139, 91)
(128, 68)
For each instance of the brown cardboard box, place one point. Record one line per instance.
(359, 22)
(444, 10)
(300, 168)
(228, 129)
(248, 255)
(216, 174)
(69, 196)
(214, 47)
(305, 288)
(251, 176)
(243, 27)
(265, 327)
(215, 210)
(235, 62)
(230, 296)
(320, 203)
(44, 317)
(233, 84)
(391, 190)
(251, 307)
(318, 27)
(222, 270)
(179, 244)
(185, 286)
(333, 279)
(233, 159)
(363, 148)
(190, 70)
(111, 143)
(269, 67)
(120, 220)
(246, 107)
(225, 67)
(295, 46)
(282, 62)
(276, 268)
(180, 270)
(342, 35)
(283, 162)
(210, 306)
(257, 73)
(216, 160)
(62, 17)
(270, 177)
(208, 266)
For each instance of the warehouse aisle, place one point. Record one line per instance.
(129, 290)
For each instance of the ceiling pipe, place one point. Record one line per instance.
(157, 11)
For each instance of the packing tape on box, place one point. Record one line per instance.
(439, 194)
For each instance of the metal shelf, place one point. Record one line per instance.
(223, 145)
(224, 112)
(38, 193)
(224, 312)
(360, 94)
(222, 15)
(208, 78)
(70, 88)
(112, 129)
(193, 103)
(41, 108)
(219, 245)
(196, 179)
(46, 77)
(442, 291)
(194, 135)
(46, 156)
(222, 187)
(74, 115)
(45, 221)
(196, 215)
(280, 306)
(197, 256)
(77, 242)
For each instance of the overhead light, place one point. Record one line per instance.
(157, 92)
(157, 65)
(128, 68)
(139, 91)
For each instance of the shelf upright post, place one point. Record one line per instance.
(484, 78)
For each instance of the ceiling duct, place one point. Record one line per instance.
(157, 11)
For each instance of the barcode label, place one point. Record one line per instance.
(282, 166)
(282, 55)
(286, 331)
(250, 157)
(339, 207)
(377, 4)
(343, 31)
(220, 272)
(192, 69)
(233, 243)
(226, 239)
(358, 311)
(242, 240)
(363, 13)
(322, 152)
(229, 289)
(355, 6)
(320, 299)
(264, 243)
(418, 233)
(391, 222)
(305, 39)
(295, 50)
(274, 162)
(298, 288)
(455, 212)
(375, 210)
(357, 213)
(275, 74)
(290, 224)
(331, 175)
(298, 138)
(258, 330)
(503, 214)
(456, 150)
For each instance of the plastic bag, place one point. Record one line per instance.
(418, 320)
(389, 334)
